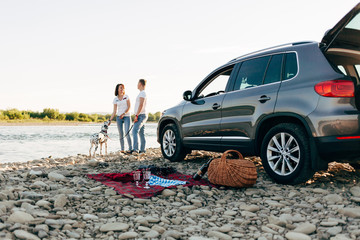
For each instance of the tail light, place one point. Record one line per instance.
(335, 88)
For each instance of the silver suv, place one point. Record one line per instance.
(296, 106)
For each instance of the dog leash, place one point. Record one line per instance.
(127, 132)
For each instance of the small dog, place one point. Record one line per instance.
(100, 138)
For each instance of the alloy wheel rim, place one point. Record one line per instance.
(169, 143)
(283, 154)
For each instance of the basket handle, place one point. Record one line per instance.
(223, 157)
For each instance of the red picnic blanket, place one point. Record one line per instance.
(129, 187)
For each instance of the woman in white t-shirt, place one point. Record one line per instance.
(123, 118)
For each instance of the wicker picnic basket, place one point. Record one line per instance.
(232, 172)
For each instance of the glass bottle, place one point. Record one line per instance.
(201, 172)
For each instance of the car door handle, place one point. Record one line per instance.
(215, 106)
(264, 98)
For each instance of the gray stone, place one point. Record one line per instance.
(128, 235)
(20, 217)
(60, 201)
(39, 184)
(333, 198)
(44, 204)
(2, 226)
(93, 163)
(144, 229)
(96, 189)
(355, 191)
(329, 224)
(340, 237)
(250, 208)
(219, 235)
(168, 193)
(297, 236)
(152, 219)
(110, 192)
(25, 235)
(306, 228)
(320, 191)
(35, 173)
(31, 195)
(350, 212)
(199, 238)
(128, 213)
(41, 227)
(172, 233)
(152, 234)
(245, 214)
(87, 217)
(188, 207)
(230, 213)
(115, 226)
(42, 234)
(334, 230)
(159, 229)
(73, 234)
(200, 212)
(56, 177)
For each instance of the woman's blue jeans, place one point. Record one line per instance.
(120, 124)
(139, 129)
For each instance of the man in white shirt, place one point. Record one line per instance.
(140, 118)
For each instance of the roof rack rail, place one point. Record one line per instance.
(272, 48)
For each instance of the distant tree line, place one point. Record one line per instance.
(54, 114)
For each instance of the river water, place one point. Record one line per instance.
(25, 143)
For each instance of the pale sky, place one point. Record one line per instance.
(70, 54)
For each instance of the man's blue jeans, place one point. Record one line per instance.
(139, 129)
(120, 124)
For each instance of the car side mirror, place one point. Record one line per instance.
(187, 95)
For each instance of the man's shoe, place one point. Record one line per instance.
(142, 152)
(135, 152)
(129, 152)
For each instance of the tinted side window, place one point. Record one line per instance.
(291, 68)
(273, 73)
(216, 85)
(251, 73)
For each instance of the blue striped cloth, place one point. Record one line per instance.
(158, 181)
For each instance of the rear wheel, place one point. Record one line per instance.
(171, 144)
(285, 154)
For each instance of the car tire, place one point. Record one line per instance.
(286, 154)
(171, 144)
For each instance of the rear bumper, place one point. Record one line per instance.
(340, 148)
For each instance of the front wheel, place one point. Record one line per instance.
(285, 154)
(171, 144)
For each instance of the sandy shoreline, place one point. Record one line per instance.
(53, 199)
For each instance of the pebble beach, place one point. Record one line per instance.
(52, 198)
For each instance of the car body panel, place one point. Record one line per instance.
(240, 112)
(199, 119)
